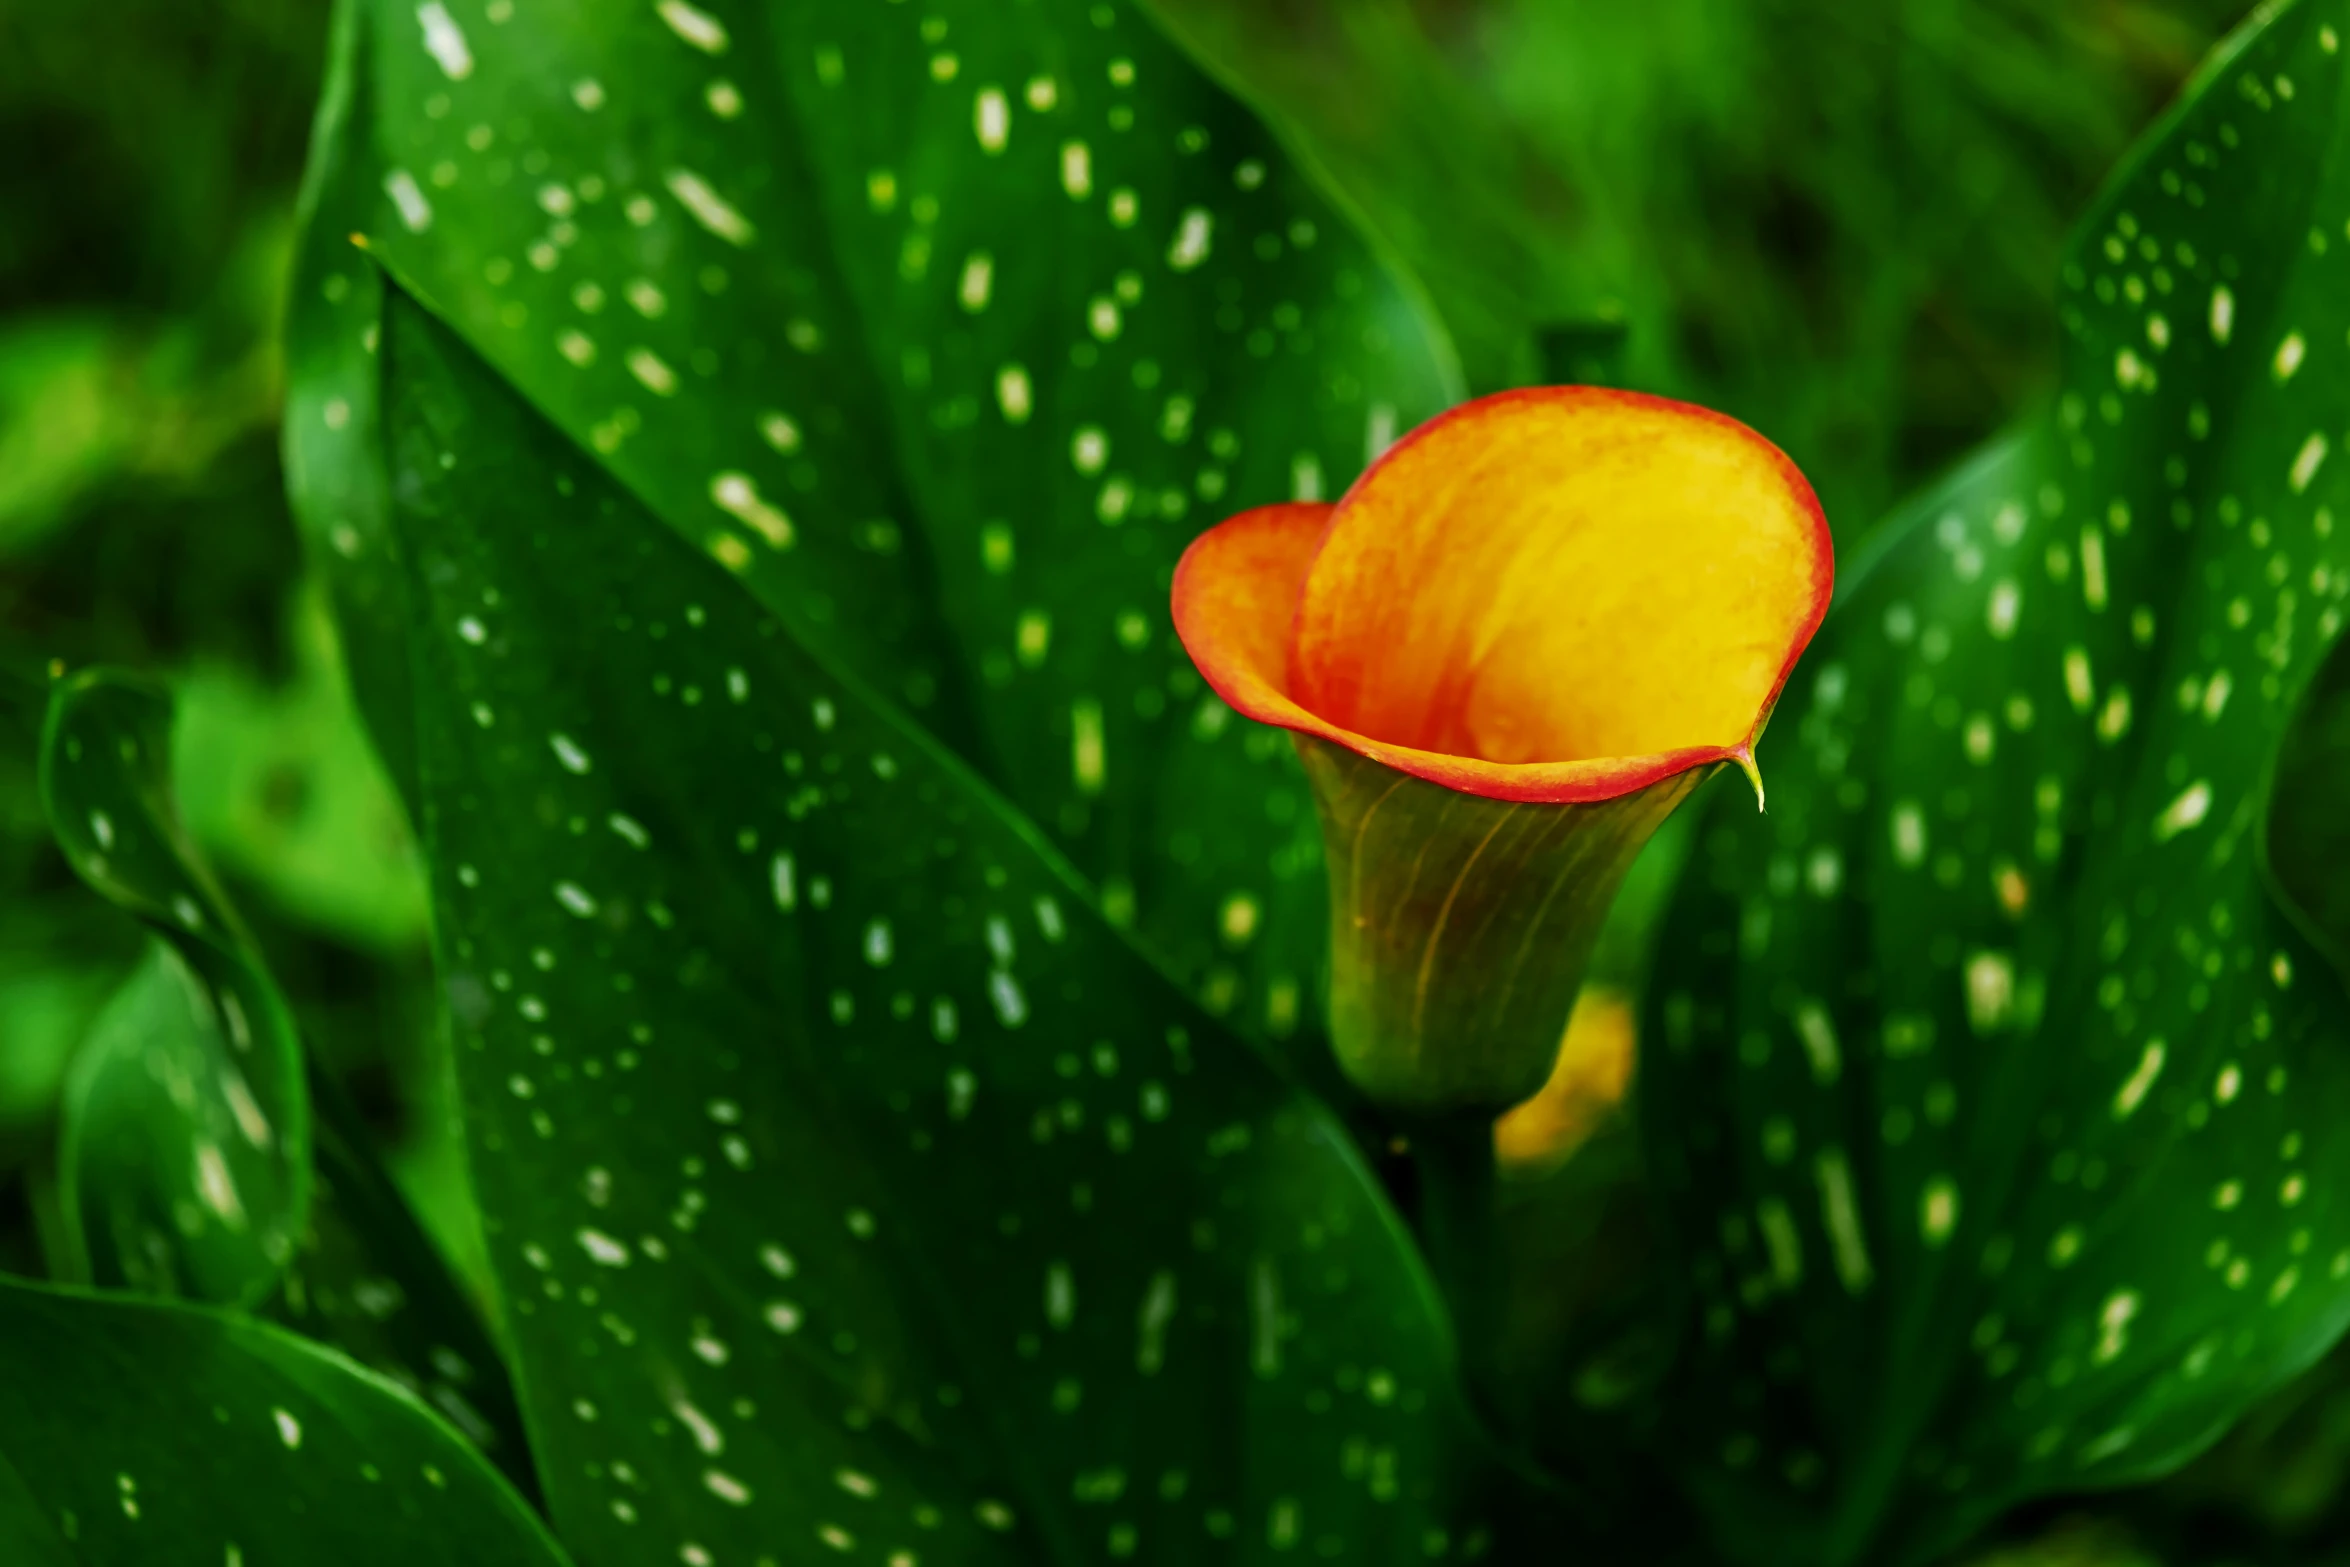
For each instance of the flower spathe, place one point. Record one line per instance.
(1523, 637)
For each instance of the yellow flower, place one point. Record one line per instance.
(1523, 637)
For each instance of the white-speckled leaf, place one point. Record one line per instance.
(185, 1166)
(136, 1432)
(368, 1281)
(851, 1184)
(944, 326)
(190, 1124)
(331, 438)
(2003, 1113)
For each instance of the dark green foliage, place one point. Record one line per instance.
(1839, 222)
(147, 148)
(761, 616)
(62, 953)
(2305, 839)
(368, 1281)
(2000, 1107)
(845, 1179)
(187, 1161)
(134, 1432)
(944, 329)
(155, 146)
(186, 1142)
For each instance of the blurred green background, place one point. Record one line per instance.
(1838, 220)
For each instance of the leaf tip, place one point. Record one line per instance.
(1744, 757)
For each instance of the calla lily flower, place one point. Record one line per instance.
(1525, 635)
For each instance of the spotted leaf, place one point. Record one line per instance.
(850, 1183)
(198, 1158)
(367, 1280)
(2003, 1113)
(944, 327)
(186, 1137)
(333, 461)
(138, 1431)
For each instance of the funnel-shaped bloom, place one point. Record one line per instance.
(1508, 652)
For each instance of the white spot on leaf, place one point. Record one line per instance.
(696, 26)
(445, 41)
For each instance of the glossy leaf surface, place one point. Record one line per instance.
(2001, 1109)
(62, 953)
(179, 1174)
(330, 439)
(135, 1431)
(186, 1157)
(2305, 837)
(368, 1281)
(944, 327)
(851, 1184)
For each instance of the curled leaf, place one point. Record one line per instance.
(187, 1128)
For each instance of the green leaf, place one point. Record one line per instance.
(2001, 1110)
(946, 327)
(2305, 839)
(849, 1182)
(136, 1431)
(173, 1178)
(333, 458)
(368, 1281)
(159, 1175)
(186, 1145)
(187, 1136)
(62, 952)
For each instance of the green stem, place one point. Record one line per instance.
(1460, 1229)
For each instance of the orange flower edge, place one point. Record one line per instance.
(1528, 632)
(1557, 595)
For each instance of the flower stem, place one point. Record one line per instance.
(1459, 1228)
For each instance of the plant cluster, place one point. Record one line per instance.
(889, 991)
